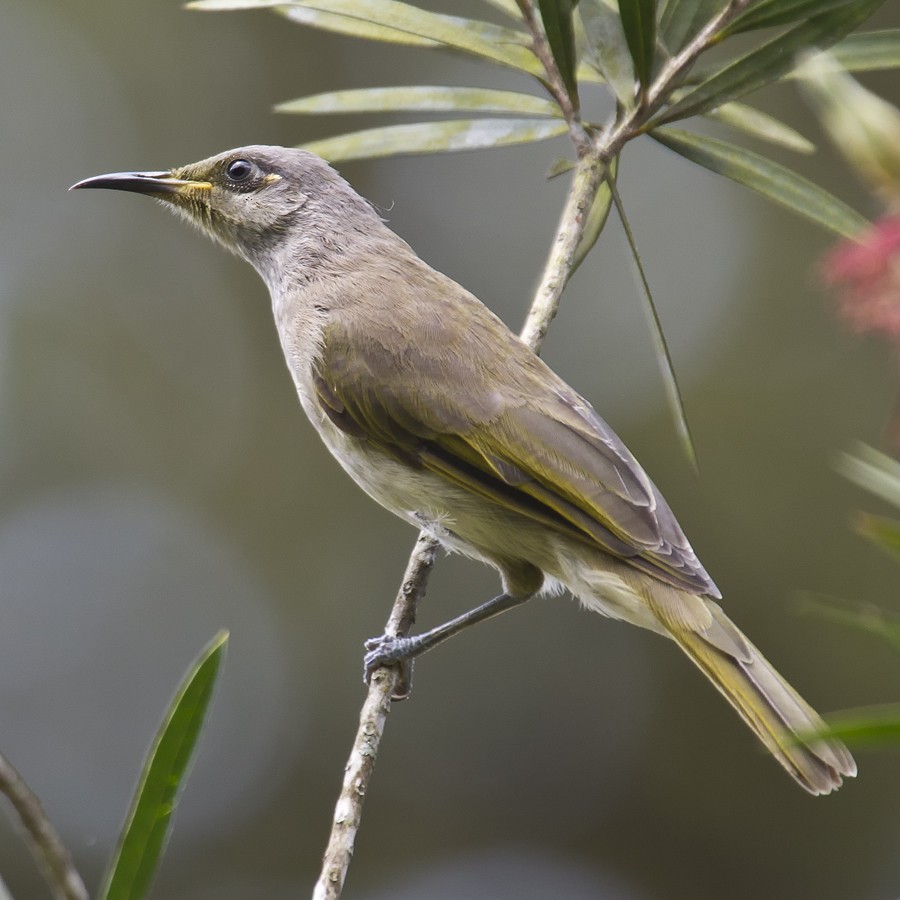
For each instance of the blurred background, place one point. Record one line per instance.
(158, 481)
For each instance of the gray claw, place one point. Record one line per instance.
(389, 651)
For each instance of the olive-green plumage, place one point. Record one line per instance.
(447, 419)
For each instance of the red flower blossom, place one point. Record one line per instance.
(866, 273)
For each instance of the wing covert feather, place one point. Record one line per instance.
(538, 447)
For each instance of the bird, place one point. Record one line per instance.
(445, 417)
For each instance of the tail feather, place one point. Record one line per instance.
(772, 709)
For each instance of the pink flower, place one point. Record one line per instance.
(866, 273)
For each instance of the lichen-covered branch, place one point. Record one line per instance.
(384, 684)
(582, 191)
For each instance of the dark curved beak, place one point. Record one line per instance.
(156, 184)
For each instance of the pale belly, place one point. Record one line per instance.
(481, 529)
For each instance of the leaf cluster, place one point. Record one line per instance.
(651, 55)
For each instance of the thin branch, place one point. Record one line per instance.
(384, 684)
(582, 192)
(56, 861)
(610, 143)
(554, 83)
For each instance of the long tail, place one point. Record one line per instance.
(775, 712)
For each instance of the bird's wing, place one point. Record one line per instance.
(537, 447)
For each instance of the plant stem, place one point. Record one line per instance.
(382, 687)
(610, 142)
(544, 307)
(554, 83)
(56, 861)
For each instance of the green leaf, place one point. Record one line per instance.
(326, 21)
(769, 62)
(873, 471)
(681, 20)
(557, 18)
(144, 835)
(398, 22)
(560, 166)
(340, 24)
(608, 48)
(435, 137)
(774, 13)
(773, 181)
(880, 530)
(663, 357)
(868, 619)
(869, 50)
(761, 125)
(873, 726)
(422, 99)
(639, 25)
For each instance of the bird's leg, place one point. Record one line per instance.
(387, 650)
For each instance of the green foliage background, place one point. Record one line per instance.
(158, 482)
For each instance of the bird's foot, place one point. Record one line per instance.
(391, 651)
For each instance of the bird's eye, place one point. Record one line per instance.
(239, 170)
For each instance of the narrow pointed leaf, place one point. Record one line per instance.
(639, 25)
(399, 22)
(761, 125)
(435, 137)
(867, 726)
(340, 24)
(773, 181)
(869, 51)
(560, 166)
(587, 72)
(663, 357)
(874, 471)
(607, 47)
(868, 619)
(556, 16)
(422, 98)
(326, 21)
(774, 13)
(681, 20)
(144, 835)
(880, 530)
(769, 62)
(873, 726)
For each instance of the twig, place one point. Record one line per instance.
(582, 191)
(610, 143)
(554, 83)
(382, 686)
(59, 870)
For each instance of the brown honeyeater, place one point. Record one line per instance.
(441, 414)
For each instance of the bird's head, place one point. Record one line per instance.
(263, 203)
